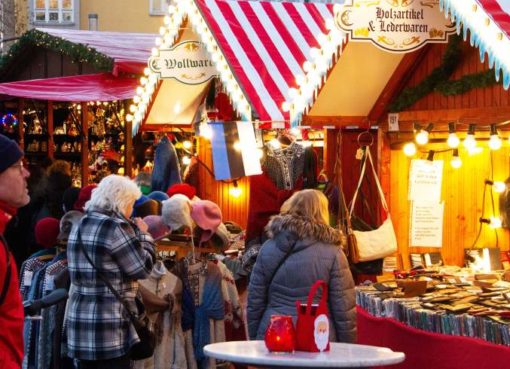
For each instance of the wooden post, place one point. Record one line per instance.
(329, 152)
(128, 145)
(51, 142)
(21, 123)
(84, 144)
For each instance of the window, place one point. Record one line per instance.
(54, 11)
(158, 7)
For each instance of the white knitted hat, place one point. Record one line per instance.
(176, 212)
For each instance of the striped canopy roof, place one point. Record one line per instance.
(265, 44)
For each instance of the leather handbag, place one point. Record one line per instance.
(312, 325)
(380, 242)
(143, 327)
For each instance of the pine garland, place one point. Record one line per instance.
(78, 53)
(438, 79)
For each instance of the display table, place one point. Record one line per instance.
(426, 350)
(341, 355)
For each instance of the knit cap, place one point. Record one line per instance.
(84, 196)
(182, 188)
(157, 228)
(158, 196)
(176, 212)
(46, 232)
(10, 152)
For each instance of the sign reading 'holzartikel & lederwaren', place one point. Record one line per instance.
(187, 62)
(394, 25)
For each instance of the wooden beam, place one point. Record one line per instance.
(84, 144)
(466, 115)
(396, 83)
(316, 121)
(329, 151)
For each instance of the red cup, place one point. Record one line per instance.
(280, 334)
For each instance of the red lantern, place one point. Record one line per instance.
(280, 335)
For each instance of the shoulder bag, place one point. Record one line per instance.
(144, 329)
(380, 242)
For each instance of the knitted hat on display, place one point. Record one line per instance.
(157, 228)
(84, 196)
(207, 215)
(182, 188)
(46, 232)
(176, 212)
(10, 152)
(221, 238)
(68, 221)
(158, 196)
(69, 197)
(149, 207)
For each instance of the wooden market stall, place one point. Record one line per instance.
(67, 91)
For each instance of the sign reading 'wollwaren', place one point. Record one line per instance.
(394, 25)
(187, 62)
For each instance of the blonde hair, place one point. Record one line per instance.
(308, 203)
(114, 193)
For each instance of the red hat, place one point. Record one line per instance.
(207, 215)
(46, 232)
(182, 188)
(84, 196)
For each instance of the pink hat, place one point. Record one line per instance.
(157, 228)
(207, 216)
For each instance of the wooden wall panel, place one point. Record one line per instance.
(493, 96)
(233, 209)
(462, 192)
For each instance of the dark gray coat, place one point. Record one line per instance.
(314, 253)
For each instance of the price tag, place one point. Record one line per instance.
(393, 122)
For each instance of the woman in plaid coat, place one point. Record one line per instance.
(98, 329)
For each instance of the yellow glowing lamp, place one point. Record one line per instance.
(187, 144)
(456, 163)
(235, 191)
(410, 149)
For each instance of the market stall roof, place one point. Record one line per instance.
(488, 22)
(89, 87)
(129, 51)
(260, 49)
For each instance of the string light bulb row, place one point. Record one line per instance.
(315, 69)
(229, 83)
(149, 80)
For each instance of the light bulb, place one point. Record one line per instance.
(410, 149)
(186, 160)
(206, 131)
(275, 143)
(285, 106)
(470, 142)
(422, 137)
(499, 187)
(453, 140)
(495, 142)
(187, 144)
(495, 222)
(456, 163)
(235, 191)
(237, 146)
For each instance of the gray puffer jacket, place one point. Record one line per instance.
(313, 253)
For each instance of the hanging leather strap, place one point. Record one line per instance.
(368, 157)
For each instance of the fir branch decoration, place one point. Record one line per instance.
(467, 83)
(441, 73)
(78, 53)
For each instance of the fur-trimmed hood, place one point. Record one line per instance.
(303, 227)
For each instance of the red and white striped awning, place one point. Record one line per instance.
(488, 23)
(265, 44)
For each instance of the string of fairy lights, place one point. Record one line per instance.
(471, 145)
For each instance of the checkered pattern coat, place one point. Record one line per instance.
(97, 326)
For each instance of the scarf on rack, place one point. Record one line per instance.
(212, 307)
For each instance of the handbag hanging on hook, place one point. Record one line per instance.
(380, 242)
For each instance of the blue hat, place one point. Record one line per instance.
(158, 196)
(10, 153)
(141, 200)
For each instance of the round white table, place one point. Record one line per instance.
(341, 355)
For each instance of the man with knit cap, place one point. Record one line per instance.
(13, 195)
